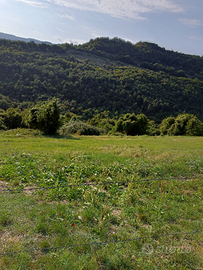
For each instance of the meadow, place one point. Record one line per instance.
(100, 202)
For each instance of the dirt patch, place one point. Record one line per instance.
(6, 237)
(3, 186)
(7, 240)
(28, 190)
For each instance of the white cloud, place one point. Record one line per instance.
(196, 38)
(66, 16)
(191, 22)
(62, 31)
(121, 8)
(74, 41)
(34, 3)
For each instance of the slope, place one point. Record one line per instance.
(86, 78)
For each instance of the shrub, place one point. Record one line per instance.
(132, 124)
(166, 124)
(153, 128)
(46, 117)
(13, 118)
(80, 128)
(2, 125)
(183, 124)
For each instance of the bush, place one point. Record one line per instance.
(194, 127)
(153, 128)
(104, 123)
(13, 118)
(2, 125)
(183, 124)
(131, 124)
(80, 128)
(46, 117)
(166, 124)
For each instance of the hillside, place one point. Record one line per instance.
(103, 74)
(15, 38)
(147, 55)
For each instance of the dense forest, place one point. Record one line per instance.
(103, 75)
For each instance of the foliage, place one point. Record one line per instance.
(148, 55)
(13, 118)
(183, 124)
(151, 80)
(153, 128)
(102, 120)
(76, 126)
(2, 125)
(194, 127)
(166, 124)
(5, 102)
(45, 117)
(131, 124)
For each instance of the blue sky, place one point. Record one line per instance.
(174, 24)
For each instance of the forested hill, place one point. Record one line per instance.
(13, 37)
(103, 74)
(147, 55)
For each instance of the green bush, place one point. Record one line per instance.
(46, 117)
(153, 128)
(166, 124)
(104, 123)
(131, 124)
(13, 118)
(183, 124)
(2, 125)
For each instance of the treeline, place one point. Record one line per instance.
(46, 117)
(38, 72)
(147, 55)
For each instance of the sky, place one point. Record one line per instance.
(173, 24)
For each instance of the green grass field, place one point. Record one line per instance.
(94, 208)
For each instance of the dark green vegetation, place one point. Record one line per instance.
(46, 118)
(32, 222)
(183, 124)
(102, 75)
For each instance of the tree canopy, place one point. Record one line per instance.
(102, 75)
(46, 117)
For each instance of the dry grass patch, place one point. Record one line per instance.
(3, 186)
(10, 243)
(116, 212)
(164, 155)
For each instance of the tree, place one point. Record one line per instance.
(142, 124)
(183, 124)
(13, 118)
(194, 127)
(166, 124)
(179, 126)
(2, 125)
(153, 129)
(131, 124)
(45, 117)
